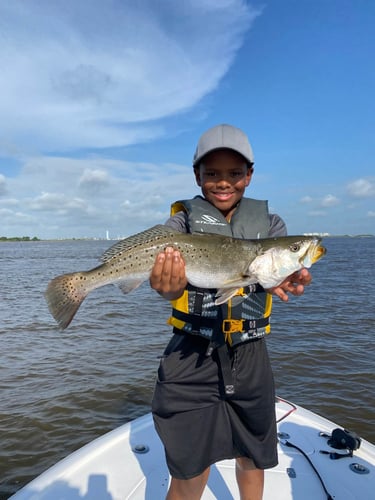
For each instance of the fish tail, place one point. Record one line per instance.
(64, 295)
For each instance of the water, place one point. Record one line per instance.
(60, 390)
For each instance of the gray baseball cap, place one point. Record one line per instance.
(223, 136)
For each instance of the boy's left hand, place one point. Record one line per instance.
(294, 284)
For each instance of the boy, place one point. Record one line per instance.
(214, 397)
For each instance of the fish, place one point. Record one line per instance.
(212, 261)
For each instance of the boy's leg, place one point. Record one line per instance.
(250, 479)
(192, 489)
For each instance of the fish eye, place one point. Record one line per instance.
(295, 247)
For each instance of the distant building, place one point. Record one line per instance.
(317, 234)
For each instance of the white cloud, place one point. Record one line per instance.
(362, 188)
(58, 203)
(76, 76)
(371, 213)
(14, 218)
(9, 202)
(94, 180)
(306, 199)
(329, 201)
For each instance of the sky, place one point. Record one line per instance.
(102, 103)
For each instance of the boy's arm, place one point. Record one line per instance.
(277, 226)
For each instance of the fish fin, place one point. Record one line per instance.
(137, 239)
(64, 295)
(128, 285)
(224, 294)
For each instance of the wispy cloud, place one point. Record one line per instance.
(78, 75)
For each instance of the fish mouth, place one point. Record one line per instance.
(317, 253)
(313, 253)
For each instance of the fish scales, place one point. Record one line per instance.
(208, 254)
(211, 260)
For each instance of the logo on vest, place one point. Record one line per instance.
(210, 220)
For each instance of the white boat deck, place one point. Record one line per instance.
(128, 463)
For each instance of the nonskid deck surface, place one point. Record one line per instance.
(128, 463)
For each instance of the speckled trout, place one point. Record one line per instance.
(212, 261)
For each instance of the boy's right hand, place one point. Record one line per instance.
(168, 276)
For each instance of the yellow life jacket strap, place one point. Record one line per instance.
(180, 304)
(177, 207)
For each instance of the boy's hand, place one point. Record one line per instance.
(294, 284)
(168, 276)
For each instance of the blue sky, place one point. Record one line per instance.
(102, 103)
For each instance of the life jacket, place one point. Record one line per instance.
(247, 315)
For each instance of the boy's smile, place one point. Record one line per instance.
(223, 176)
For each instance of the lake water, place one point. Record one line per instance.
(59, 390)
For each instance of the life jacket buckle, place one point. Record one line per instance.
(232, 326)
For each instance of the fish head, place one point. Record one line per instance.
(278, 258)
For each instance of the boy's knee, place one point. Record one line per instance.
(188, 488)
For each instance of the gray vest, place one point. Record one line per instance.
(249, 221)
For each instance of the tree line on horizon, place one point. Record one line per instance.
(19, 238)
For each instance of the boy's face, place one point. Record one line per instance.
(223, 176)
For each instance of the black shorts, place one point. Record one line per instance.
(198, 423)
